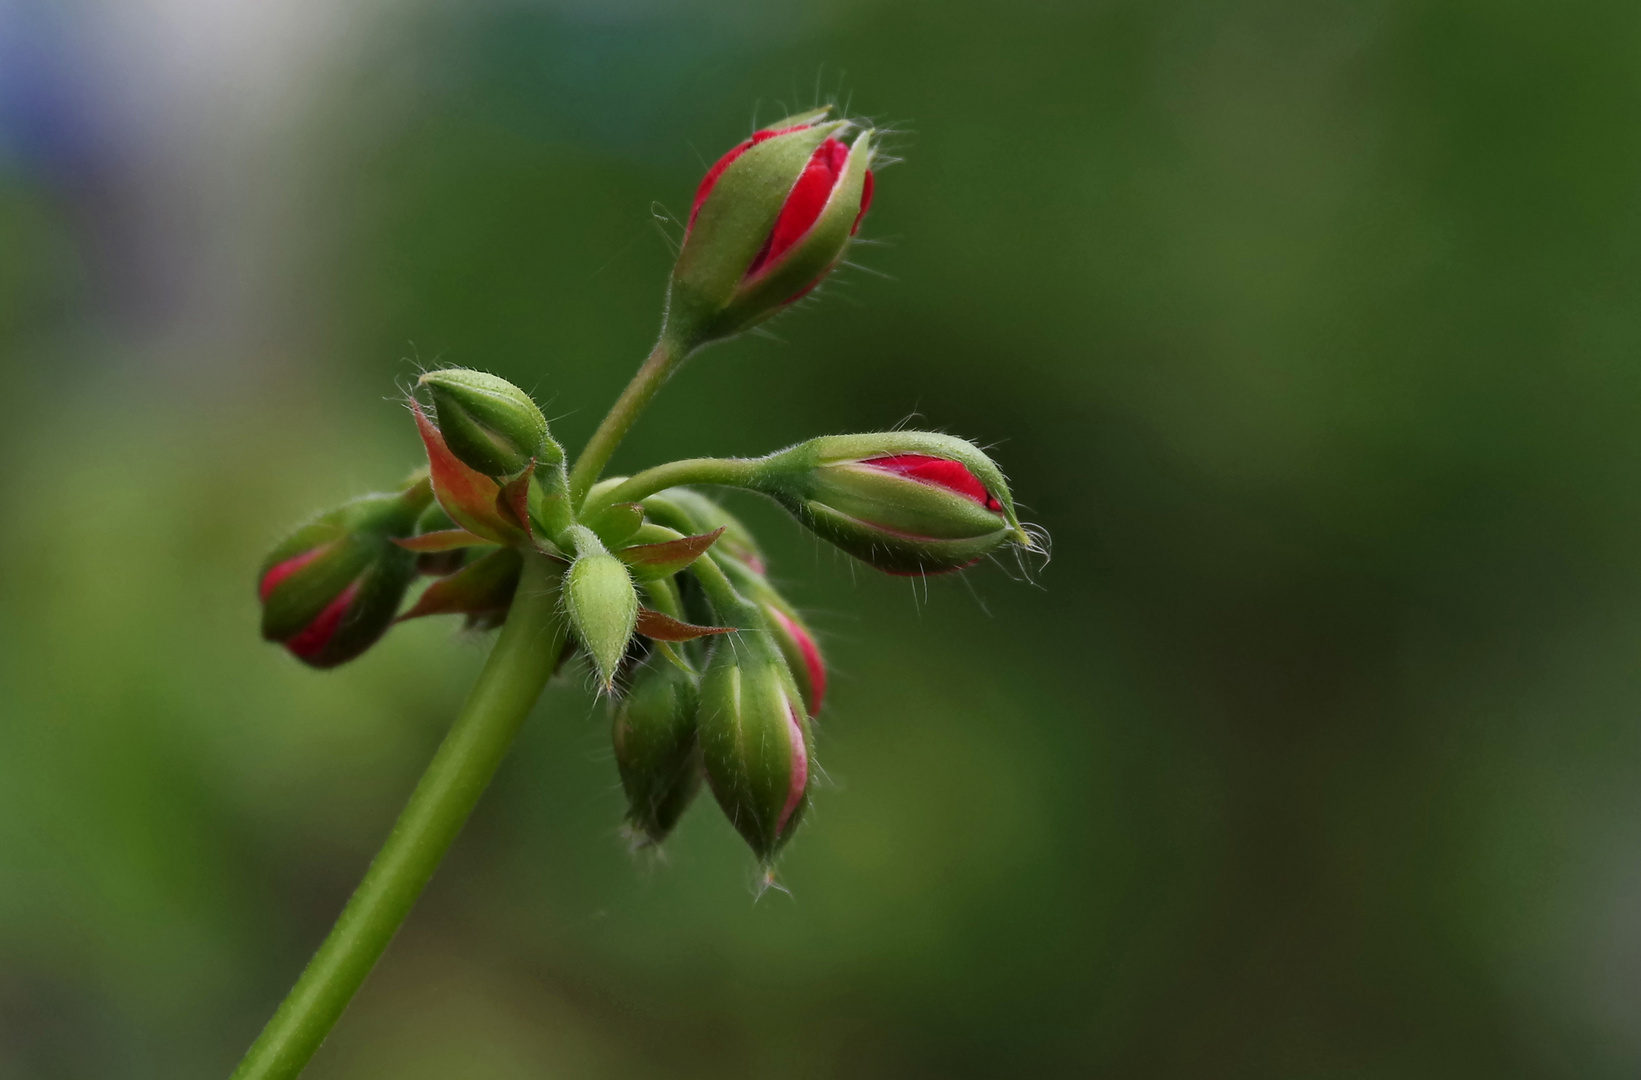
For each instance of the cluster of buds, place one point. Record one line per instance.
(710, 673)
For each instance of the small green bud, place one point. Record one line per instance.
(332, 588)
(755, 741)
(653, 730)
(906, 502)
(602, 603)
(489, 424)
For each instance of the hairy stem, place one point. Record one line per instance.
(731, 472)
(619, 420)
(524, 657)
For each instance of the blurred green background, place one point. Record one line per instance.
(1308, 329)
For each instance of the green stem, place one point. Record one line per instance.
(723, 595)
(731, 472)
(524, 657)
(619, 420)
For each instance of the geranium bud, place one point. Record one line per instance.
(907, 502)
(794, 637)
(769, 221)
(755, 741)
(653, 729)
(797, 644)
(489, 424)
(602, 603)
(331, 589)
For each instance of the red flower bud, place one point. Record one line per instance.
(803, 656)
(804, 202)
(907, 502)
(770, 219)
(330, 591)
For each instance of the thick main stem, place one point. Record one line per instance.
(621, 416)
(525, 655)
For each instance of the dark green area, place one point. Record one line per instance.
(1311, 331)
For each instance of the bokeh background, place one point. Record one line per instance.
(1308, 328)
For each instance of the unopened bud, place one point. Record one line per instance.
(653, 729)
(331, 589)
(489, 424)
(798, 646)
(906, 502)
(602, 604)
(755, 741)
(769, 221)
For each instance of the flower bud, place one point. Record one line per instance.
(489, 424)
(602, 604)
(653, 729)
(906, 502)
(755, 741)
(331, 589)
(797, 645)
(769, 221)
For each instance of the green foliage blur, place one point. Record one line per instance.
(1309, 330)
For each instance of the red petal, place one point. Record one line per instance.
(811, 656)
(805, 202)
(311, 640)
(865, 202)
(940, 472)
(797, 781)
(281, 571)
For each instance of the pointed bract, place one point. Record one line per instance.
(466, 494)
